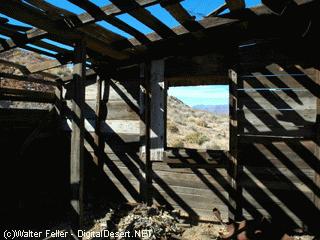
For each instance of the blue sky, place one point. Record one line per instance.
(213, 95)
(206, 95)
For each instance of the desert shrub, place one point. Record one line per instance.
(173, 128)
(201, 123)
(177, 143)
(196, 138)
(212, 146)
(192, 119)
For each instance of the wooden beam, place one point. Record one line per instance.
(152, 103)
(77, 135)
(21, 68)
(144, 106)
(143, 15)
(27, 79)
(96, 39)
(234, 168)
(99, 15)
(84, 18)
(222, 28)
(157, 104)
(218, 10)
(103, 84)
(26, 95)
(235, 5)
(182, 16)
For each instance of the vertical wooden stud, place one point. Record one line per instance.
(77, 135)
(234, 168)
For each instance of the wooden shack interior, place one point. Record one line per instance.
(101, 136)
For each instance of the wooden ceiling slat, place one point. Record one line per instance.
(16, 27)
(99, 14)
(63, 15)
(218, 10)
(18, 37)
(51, 47)
(27, 79)
(219, 29)
(26, 71)
(39, 51)
(235, 5)
(35, 17)
(144, 16)
(182, 16)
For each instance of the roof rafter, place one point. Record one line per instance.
(144, 16)
(36, 17)
(99, 14)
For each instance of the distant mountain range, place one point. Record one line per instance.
(217, 109)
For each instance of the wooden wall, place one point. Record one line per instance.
(277, 110)
(277, 97)
(119, 175)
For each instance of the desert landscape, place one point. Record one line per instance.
(195, 128)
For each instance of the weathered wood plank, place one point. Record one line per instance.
(36, 17)
(157, 104)
(108, 126)
(189, 157)
(117, 110)
(269, 116)
(277, 122)
(27, 79)
(300, 153)
(99, 14)
(235, 5)
(143, 15)
(276, 99)
(182, 16)
(26, 95)
(280, 81)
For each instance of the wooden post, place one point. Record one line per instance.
(97, 130)
(152, 103)
(77, 135)
(234, 168)
(157, 105)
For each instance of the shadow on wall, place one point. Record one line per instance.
(276, 116)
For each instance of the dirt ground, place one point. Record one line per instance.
(211, 232)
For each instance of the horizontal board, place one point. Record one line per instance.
(120, 110)
(279, 154)
(124, 90)
(109, 126)
(193, 156)
(116, 110)
(280, 81)
(276, 99)
(277, 122)
(118, 144)
(188, 204)
(268, 174)
(274, 116)
(287, 130)
(190, 198)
